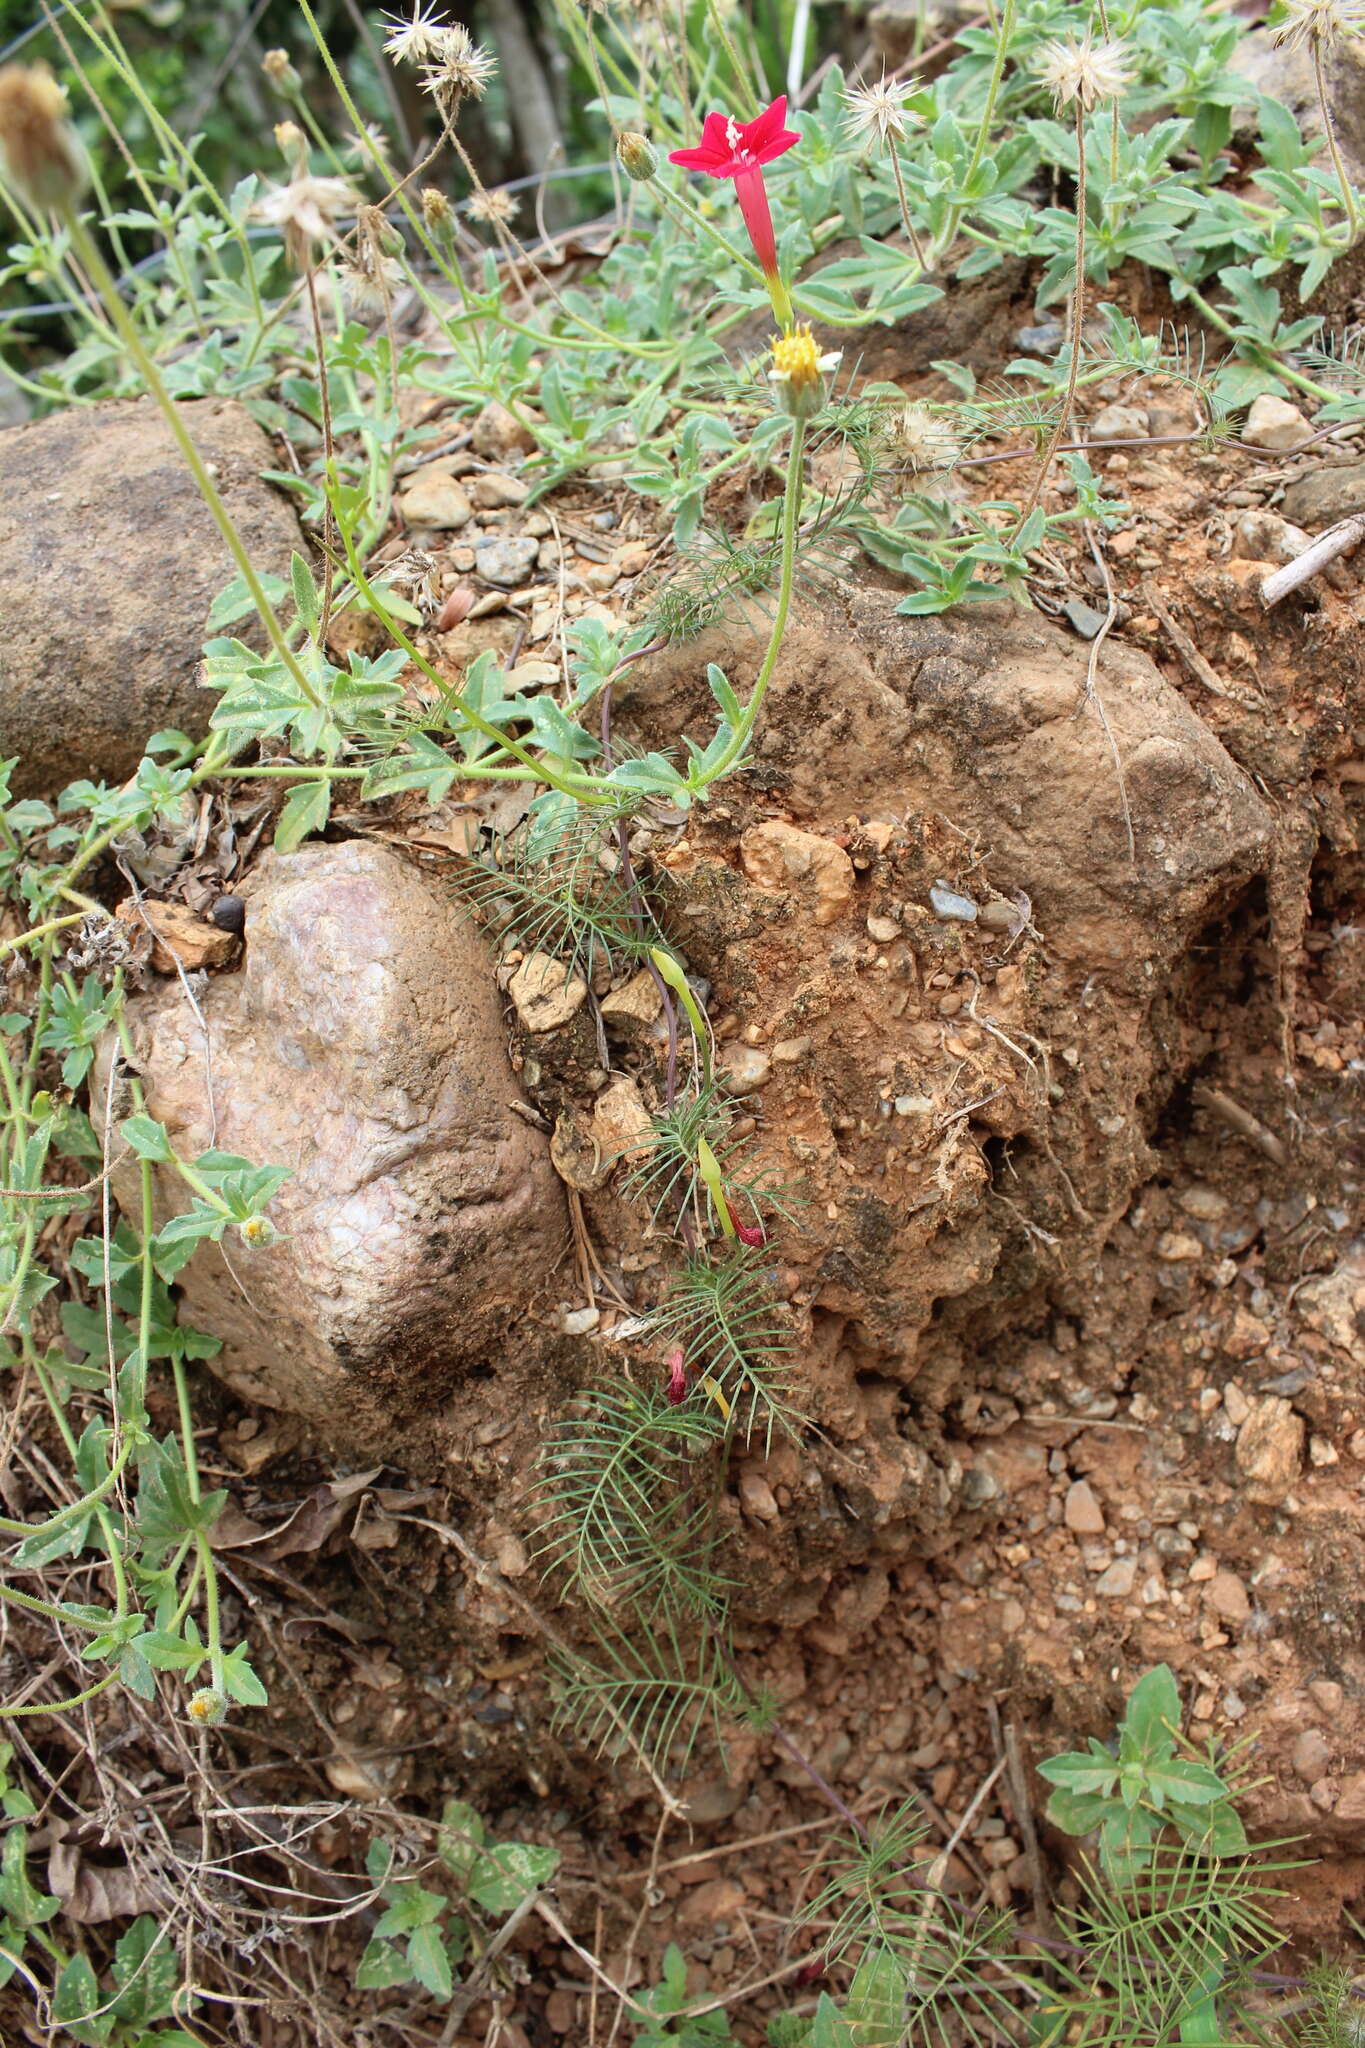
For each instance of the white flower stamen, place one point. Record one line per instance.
(880, 109)
(415, 40)
(1086, 71)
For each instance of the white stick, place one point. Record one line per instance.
(1337, 540)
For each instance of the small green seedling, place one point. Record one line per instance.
(671, 2025)
(1131, 1796)
(418, 1939)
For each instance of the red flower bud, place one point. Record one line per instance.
(677, 1378)
(747, 1233)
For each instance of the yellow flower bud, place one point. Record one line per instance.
(798, 373)
(637, 156)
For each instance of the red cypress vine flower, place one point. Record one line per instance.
(747, 1233)
(676, 1389)
(739, 150)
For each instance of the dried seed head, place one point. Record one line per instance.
(371, 144)
(493, 208)
(43, 153)
(437, 211)
(417, 38)
(1319, 21)
(637, 156)
(921, 440)
(281, 73)
(307, 209)
(880, 109)
(1084, 70)
(461, 71)
(369, 283)
(412, 575)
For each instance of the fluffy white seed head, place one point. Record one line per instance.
(1084, 70)
(880, 110)
(1319, 21)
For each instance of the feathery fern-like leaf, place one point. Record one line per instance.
(552, 887)
(625, 1522)
(668, 1686)
(723, 1313)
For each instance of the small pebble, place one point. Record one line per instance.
(1275, 424)
(1119, 423)
(950, 906)
(744, 1068)
(1227, 1597)
(1311, 1755)
(1082, 1512)
(1235, 1404)
(506, 563)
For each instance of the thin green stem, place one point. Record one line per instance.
(208, 490)
(1282, 369)
(791, 513)
(213, 1627)
(1077, 325)
(92, 1692)
(1330, 130)
(741, 70)
(901, 195)
(77, 1508)
(944, 242)
(31, 1605)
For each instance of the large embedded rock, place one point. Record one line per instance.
(361, 1045)
(109, 561)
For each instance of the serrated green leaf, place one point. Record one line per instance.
(306, 809)
(429, 1963)
(381, 1967)
(503, 1876)
(148, 1138)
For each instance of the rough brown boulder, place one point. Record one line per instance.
(361, 1045)
(109, 562)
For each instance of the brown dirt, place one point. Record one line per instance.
(1062, 1267)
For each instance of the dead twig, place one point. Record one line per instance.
(1195, 663)
(1092, 686)
(1240, 1120)
(1338, 540)
(1021, 1799)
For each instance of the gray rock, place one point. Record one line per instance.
(1117, 1583)
(951, 906)
(507, 563)
(362, 1046)
(1318, 500)
(1264, 537)
(109, 561)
